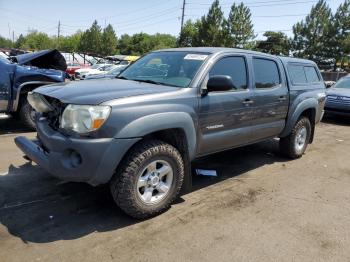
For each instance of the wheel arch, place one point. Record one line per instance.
(307, 108)
(164, 125)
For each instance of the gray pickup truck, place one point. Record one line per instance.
(141, 131)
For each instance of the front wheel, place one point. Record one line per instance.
(294, 145)
(149, 180)
(27, 115)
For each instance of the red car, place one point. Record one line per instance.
(72, 67)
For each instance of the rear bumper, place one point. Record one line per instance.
(75, 159)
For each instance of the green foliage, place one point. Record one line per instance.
(5, 43)
(91, 39)
(37, 41)
(142, 43)
(210, 27)
(189, 35)
(276, 43)
(70, 43)
(20, 41)
(313, 37)
(238, 28)
(341, 27)
(109, 41)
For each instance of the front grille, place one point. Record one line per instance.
(54, 116)
(338, 100)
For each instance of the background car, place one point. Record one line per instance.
(96, 68)
(72, 67)
(110, 74)
(338, 97)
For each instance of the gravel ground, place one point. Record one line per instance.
(260, 208)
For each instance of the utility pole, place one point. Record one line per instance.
(13, 36)
(183, 15)
(58, 32)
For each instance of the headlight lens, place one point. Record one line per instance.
(84, 118)
(38, 102)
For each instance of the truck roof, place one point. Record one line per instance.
(214, 50)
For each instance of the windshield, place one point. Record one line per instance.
(343, 83)
(169, 68)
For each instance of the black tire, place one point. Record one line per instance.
(26, 115)
(288, 144)
(124, 187)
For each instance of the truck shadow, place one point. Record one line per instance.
(10, 125)
(336, 120)
(38, 208)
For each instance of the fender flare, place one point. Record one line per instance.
(162, 121)
(310, 103)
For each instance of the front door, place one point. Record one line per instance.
(225, 117)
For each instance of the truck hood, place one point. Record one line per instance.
(49, 59)
(94, 92)
(338, 92)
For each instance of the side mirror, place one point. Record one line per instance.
(220, 83)
(329, 84)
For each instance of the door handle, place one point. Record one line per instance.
(282, 98)
(248, 102)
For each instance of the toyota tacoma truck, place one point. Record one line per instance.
(23, 73)
(141, 131)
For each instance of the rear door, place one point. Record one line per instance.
(225, 117)
(271, 97)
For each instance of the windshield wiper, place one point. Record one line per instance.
(122, 77)
(147, 81)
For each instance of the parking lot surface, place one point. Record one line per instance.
(261, 207)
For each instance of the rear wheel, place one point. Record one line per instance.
(149, 180)
(295, 144)
(27, 115)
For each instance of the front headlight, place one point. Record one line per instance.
(38, 102)
(84, 118)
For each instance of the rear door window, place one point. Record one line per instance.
(266, 73)
(297, 74)
(311, 74)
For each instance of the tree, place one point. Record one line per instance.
(70, 43)
(124, 44)
(189, 34)
(313, 37)
(37, 41)
(5, 43)
(109, 41)
(91, 39)
(238, 28)
(142, 43)
(276, 43)
(20, 41)
(210, 31)
(341, 26)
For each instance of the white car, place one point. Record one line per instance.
(94, 69)
(104, 72)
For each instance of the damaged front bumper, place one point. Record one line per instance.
(93, 161)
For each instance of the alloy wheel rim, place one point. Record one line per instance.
(300, 138)
(154, 182)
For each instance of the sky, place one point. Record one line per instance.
(134, 16)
